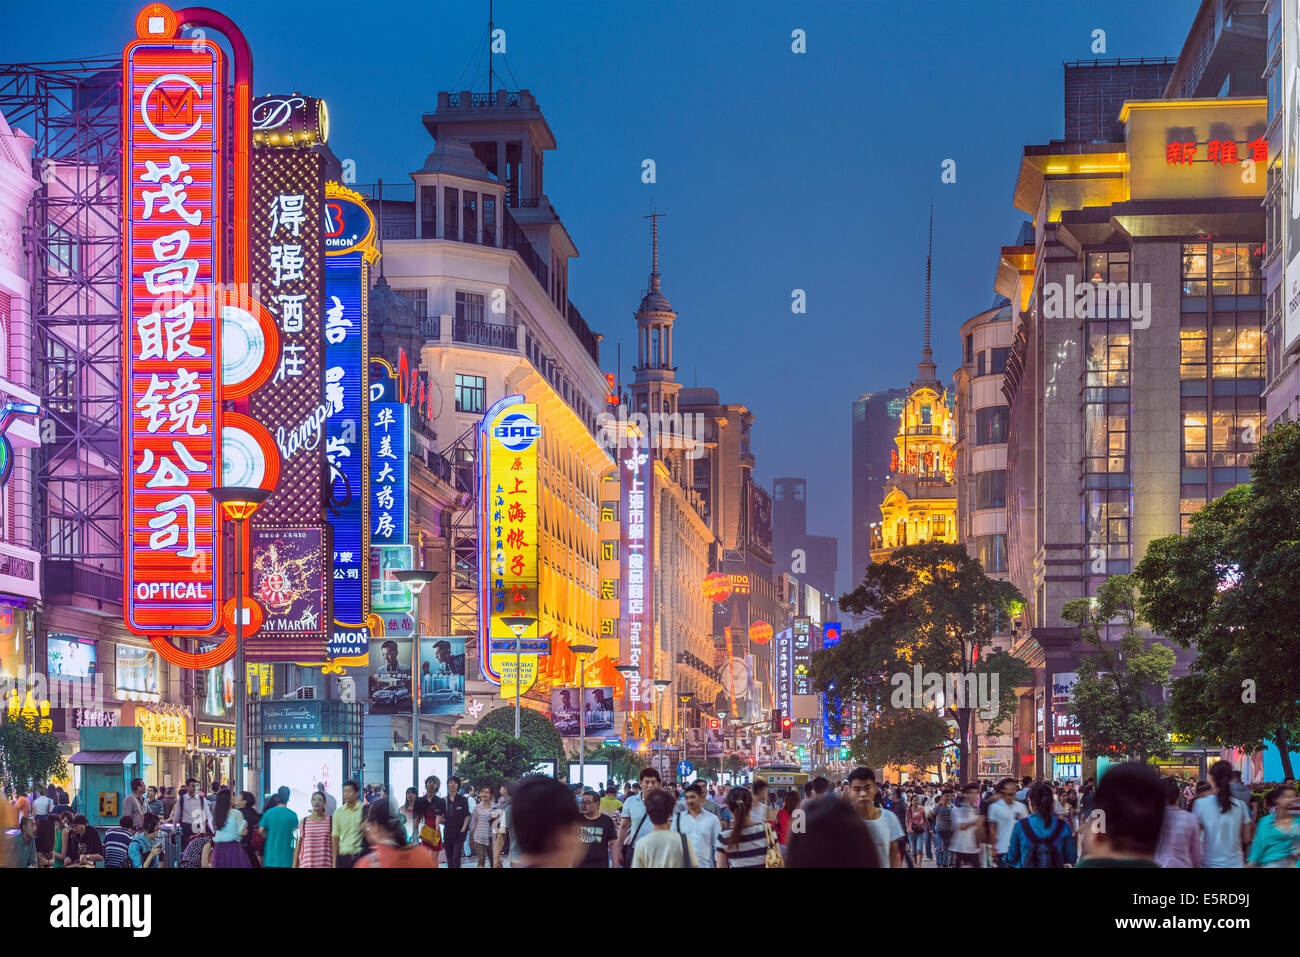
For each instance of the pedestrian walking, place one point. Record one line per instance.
(229, 828)
(457, 822)
(662, 848)
(883, 825)
(276, 826)
(345, 832)
(387, 839)
(315, 836)
(744, 843)
(146, 848)
(544, 824)
(480, 827)
(1180, 832)
(1039, 838)
(1225, 821)
(1277, 839)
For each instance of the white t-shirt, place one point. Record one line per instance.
(962, 840)
(884, 831)
(1005, 816)
(1221, 831)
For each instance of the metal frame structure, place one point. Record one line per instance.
(73, 241)
(462, 556)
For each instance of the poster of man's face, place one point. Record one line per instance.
(442, 675)
(715, 743)
(390, 676)
(597, 710)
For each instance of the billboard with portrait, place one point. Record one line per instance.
(137, 670)
(390, 676)
(304, 769)
(442, 675)
(598, 705)
(69, 656)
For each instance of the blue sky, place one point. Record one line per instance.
(777, 171)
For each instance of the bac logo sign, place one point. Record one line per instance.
(517, 432)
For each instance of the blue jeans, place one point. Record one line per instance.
(917, 840)
(929, 843)
(940, 850)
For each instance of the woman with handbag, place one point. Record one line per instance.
(746, 843)
(252, 840)
(430, 811)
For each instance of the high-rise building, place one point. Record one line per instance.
(811, 558)
(1137, 352)
(873, 428)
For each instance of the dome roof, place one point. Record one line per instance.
(655, 301)
(451, 155)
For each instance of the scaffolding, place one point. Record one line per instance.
(462, 454)
(72, 242)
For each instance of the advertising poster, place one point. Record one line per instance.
(636, 462)
(598, 705)
(304, 771)
(801, 656)
(715, 742)
(288, 578)
(695, 743)
(386, 592)
(442, 675)
(390, 676)
(137, 670)
(70, 656)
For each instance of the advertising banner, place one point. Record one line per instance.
(173, 171)
(831, 703)
(69, 656)
(288, 578)
(636, 556)
(305, 770)
(137, 670)
(387, 594)
(783, 664)
(291, 719)
(508, 441)
(801, 656)
(390, 676)
(442, 675)
(598, 705)
(1065, 726)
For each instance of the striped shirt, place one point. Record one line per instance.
(117, 843)
(749, 851)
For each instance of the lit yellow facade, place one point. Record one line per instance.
(920, 503)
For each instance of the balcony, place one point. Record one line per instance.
(431, 327)
(69, 578)
(492, 334)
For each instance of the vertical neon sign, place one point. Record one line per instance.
(172, 200)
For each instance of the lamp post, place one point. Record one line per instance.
(238, 503)
(685, 698)
(660, 685)
(518, 624)
(415, 579)
(627, 671)
(583, 652)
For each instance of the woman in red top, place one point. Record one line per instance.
(916, 828)
(784, 818)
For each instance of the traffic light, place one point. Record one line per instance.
(785, 727)
(752, 762)
(802, 751)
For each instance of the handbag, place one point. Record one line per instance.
(630, 848)
(773, 857)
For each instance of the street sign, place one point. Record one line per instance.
(529, 646)
(685, 769)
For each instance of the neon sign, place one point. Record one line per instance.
(173, 237)
(636, 556)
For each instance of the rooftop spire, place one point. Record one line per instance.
(654, 250)
(925, 369)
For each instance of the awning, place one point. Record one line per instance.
(103, 757)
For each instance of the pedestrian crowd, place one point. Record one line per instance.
(1131, 818)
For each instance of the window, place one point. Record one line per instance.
(1194, 424)
(451, 213)
(489, 219)
(1234, 270)
(1106, 267)
(991, 489)
(1194, 271)
(63, 250)
(970, 348)
(471, 393)
(1237, 351)
(1106, 524)
(429, 212)
(469, 221)
(1107, 360)
(992, 552)
(419, 298)
(469, 307)
(1192, 346)
(991, 425)
(998, 363)
(979, 362)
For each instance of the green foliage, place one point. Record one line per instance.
(930, 605)
(490, 758)
(624, 763)
(1012, 673)
(28, 756)
(910, 736)
(1116, 716)
(535, 728)
(1228, 588)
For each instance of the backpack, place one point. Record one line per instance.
(1042, 851)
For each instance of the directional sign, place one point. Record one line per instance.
(685, 769)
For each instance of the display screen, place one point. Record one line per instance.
(305, 770)
(70, 657)
(442, 675)
(137, 670)
(397, 772)
(594, 773)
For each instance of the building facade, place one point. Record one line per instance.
(873, 428)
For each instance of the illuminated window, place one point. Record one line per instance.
(1194, 271)
(471, 393)
(1194, 425)
(991, 425)
(991, 489)
(1192, 348)
(1108, 354)
(1237, 351)
(1234, 270)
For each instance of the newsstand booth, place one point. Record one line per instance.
(108, 759)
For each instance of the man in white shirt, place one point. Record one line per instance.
(701, 827)
(191, 811)
(965, 821)
(634, 824)
(1004, 813)
(882, 825)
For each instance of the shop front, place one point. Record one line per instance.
(304, 745)
(212, 754)
(166, 735)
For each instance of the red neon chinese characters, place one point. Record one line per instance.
(172, 235)
(1180, 153)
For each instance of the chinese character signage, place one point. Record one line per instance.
(173, 235)
(389, 438)
(288, 578)
(347, 398)
(636, 466)
(508, 443)
(784, 665)
(163, 727)
(801, 655)
(830, 701)
(1065, 725)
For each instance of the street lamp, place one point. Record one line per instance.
(660, 685)
(415, 579)
(627, 671)
(518, 624)
(685, 698)
(583, 652)
(238, 503)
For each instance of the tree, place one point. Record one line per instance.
(28, 755)
(624, 764)
(915, 736)
(536, 730)
(931, 606)
(1117, 718)
(1228, 589)
(487, 757)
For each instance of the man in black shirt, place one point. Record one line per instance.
(85, 845)
(596, 831)
(457, 822)
(430, 811)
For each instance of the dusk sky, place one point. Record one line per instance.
(776, 171)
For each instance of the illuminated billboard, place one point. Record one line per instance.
(288, 578)
(348, 235)
(508, 441)
(173, 235)
(442, 675)
(390, 430)
(636, 556)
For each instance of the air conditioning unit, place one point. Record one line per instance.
(301, 694)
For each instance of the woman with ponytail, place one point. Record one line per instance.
(744, 844)
(1225, 821)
